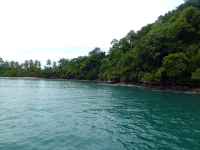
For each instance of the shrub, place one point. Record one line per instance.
(140, 75)
(10, 73)
(196, 74)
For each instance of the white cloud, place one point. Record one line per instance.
(64, 24)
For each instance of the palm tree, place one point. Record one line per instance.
(1, 64)
(39, 64)
(31, 65)
(1, 61)
(55, 71)
(7, 64)
(26, 64)
(17, 65)
(54, 64)
(12, 64)
(36, 64)
(63, 62)
(31, 62)
(192, 51)
(49, 62)
(22, 65)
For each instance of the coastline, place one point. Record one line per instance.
(35, 78)
(144, 85)
(159, 86)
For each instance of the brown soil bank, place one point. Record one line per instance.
(159, 86)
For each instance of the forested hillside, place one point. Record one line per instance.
(165, 51)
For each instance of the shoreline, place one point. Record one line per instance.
(35, 78)
(144, 85)
(159, 86)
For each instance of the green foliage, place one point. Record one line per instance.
(158, 43)
(196, 75)
(131, 36)
(22, 73)
(114, 56)
(1, 61)
(10, 73)
(95, 51)
(174, 65)
(53, 77)
(192, 51)
(184, 25)
(160, 72)
(91, 66)
(32, 74)
(112, 74)
(105, 65)
(195, 21)
(45, 73)
(194, 64)
(189, 13)
(147, 77)
(66, 76)
(90, 75)
(165, 50)
(140, 75)
(2, 67)
(144, 30)
(48, 62)
(150, 77)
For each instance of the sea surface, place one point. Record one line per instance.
(86, 115)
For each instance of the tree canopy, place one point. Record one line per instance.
(166, 50)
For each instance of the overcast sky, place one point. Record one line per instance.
(54, 29)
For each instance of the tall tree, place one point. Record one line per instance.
(48, 62)
(54, 64)
(36, 64)
(39, 64)
(31, 66)
(95, 50)
(17, 66)
(12, 64)
(131, 36)
(26, 64)
(1, 61)
(192, 51)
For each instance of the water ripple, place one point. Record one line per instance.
(49, 114)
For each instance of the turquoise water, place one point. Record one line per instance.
(75, 115)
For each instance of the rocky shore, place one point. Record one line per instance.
(159, 86)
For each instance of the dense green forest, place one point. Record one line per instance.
(165, 51)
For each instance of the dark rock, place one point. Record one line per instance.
(157, 86)
(196, 90)
(179, 88)
(161, 88)
(109, 82)
(185, 88)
